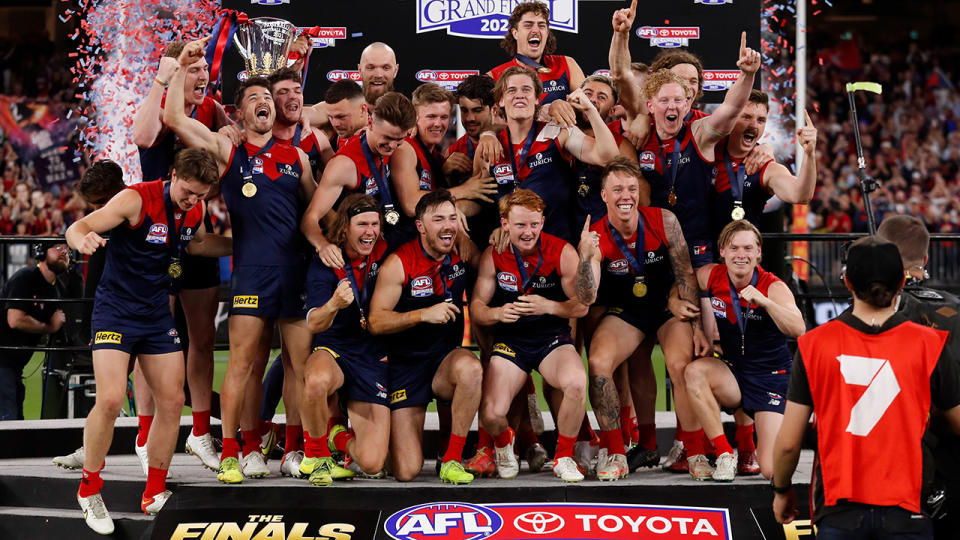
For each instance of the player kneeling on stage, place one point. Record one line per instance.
(150, 224)
(346, 359)
(755, 312)
(418, 301)
(527, 293)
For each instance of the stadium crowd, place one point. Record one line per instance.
(565, 224)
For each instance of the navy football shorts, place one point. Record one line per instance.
(133, 337)
(273, 292)
(528, 354)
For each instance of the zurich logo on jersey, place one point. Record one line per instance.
(157, 234)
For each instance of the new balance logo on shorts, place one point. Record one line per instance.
(246, 301)
(107, 337)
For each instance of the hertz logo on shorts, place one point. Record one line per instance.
(398, 396)
(246, 301)
(503, 349)
(107, 337)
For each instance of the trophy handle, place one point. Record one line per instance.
(240, 48)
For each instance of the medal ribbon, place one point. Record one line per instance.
(675, 165)
(527, 61)
(736, 179)
(296, 136)
(441, 272)
(173, 231)
(379, 175)
(636, 262)
(360, 293)
(247, 172)
(738, 312)
(525, 279)
(523, 152)
(471, 152)
(436, 165)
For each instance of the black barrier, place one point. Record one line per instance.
(444, 41)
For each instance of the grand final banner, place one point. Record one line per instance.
(445, 41)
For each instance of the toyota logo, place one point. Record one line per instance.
(538, 522)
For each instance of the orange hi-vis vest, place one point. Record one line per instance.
(871, 395)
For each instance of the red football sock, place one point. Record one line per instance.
(504, 438)
(201, 423)
(90, 483)
(744, 438)
(612, 440)
(634, 430)
(315, 446)
(528, 386)
(625, 424)
(294, 439)
(693, 442)
(251, 441)
(484, 440)
(143, 421)
(564, 446)
(341, 439)
(231, 448)
(528, 437)
(264, 427)
(721, 443)
(647, 436)
(586, 432)
(454, 448)
(156, 482)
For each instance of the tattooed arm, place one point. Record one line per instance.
(685, 279)
(588, 269)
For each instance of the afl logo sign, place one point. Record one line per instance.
(460, 521)
(335, 75)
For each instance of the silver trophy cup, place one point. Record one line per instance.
(264, 44)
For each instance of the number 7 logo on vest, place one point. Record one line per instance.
(882, 387)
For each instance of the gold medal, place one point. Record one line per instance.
(249, 189)
(392, 217)
(672, 199)
(175, 270)
(639, 288)
(544, 69)
(363, 322)
(583, 190)
(737, 213)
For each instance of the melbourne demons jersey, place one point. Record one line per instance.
(618, 276)
(553, 72)
(540, 275)
(346, 332)
(135, 282)
(589, 179)
(427, 282)
(310, 146)
(692, 188)
(765, 349)
(754, 193)
(156, 160)
(542, 167)
(429, 165)
(464, 145)
(266, 217)
(872, 401)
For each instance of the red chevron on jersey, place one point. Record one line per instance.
(556, 82)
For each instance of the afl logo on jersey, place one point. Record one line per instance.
(421, 286)
(648, 160)
(157, 234)
(426, 180)
(618, 266)
(257, 165)
(719, 307)
(503, 173)
(370, 188)
(507, 281)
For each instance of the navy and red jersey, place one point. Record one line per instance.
(542, 268)
(871, 393)
(556, 82)
(346, 333)
(464, 145)
(366, 183)
(310, 146)
(427, 282)
(547, 171)
(135, 282)
(765, 347)
(617, 276)
(693, 187)
(694, 114)
(266, 226)
(754, 191)
(156, 160)
(429, 165)
(588, 201)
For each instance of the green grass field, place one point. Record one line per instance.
(33, 382)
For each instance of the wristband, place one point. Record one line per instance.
(490, 133)
(780, 490)
(161, 83)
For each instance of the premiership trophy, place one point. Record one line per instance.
(264, 44)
